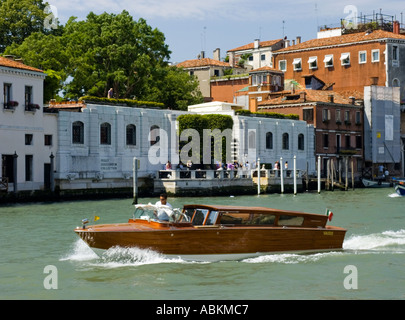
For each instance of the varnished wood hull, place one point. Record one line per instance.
(206, 241)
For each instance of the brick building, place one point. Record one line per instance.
(336, 116)
(347, 62)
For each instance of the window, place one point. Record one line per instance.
(395, 53)
(48, 139)
(216, 73)
(6, 94)
(286, 145)
(154, 135)
(105, 133)
(28, 96)
(301, 142)
(345, 59)
(250, 58)
(308, 114)
(263, 57)
(347, 117)
(338, 116)
(199, 216)
(325, 138)
(28, 139)
(313, 62)
(328, 60)
(269, 140)
(358, 117)
(362, 57)
(28, 167)
(375, 55)
(290, 221)
(212, 218)
(131, 135)
(358, 142)
(297, 64)
(325, 115)
(78, 132)
(347, 141)
(282, 65)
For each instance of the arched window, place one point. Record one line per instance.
(269, 140)
(78, 132)
(301, 145)
(286, 142)
(105, 133)
(154, 135)
(131, 135)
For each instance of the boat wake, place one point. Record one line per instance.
(387, 241)
(116, 257)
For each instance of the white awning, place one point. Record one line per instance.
(328, 58)
(345, 56)
(297, 61)
(312, 59)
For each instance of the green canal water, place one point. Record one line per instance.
(38, 236)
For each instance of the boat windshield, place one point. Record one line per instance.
(150, 212)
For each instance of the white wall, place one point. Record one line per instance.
(16, 123)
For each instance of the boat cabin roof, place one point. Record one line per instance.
(238, 215)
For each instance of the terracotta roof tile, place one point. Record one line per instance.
(262, 44)
(343, 39)
(339, 97)
(266, 68)
(5, 62)
(204, 62)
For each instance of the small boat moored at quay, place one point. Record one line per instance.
(379, 183)
(216, 232)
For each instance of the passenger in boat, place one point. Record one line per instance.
(161, 214)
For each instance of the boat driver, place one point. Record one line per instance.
(161, 214)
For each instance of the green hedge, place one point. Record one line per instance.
(128, 102)
(267, 114)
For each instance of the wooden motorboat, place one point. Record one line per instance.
(217, 232)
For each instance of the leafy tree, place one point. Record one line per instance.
(45, 52)
(19, 19)
(113, 51)
(107, 51)
(175, 88)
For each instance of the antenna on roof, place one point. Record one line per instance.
(203, 38)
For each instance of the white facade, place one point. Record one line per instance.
(25, 130)
(97, 146)
(267, 139)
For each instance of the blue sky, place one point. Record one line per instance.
(191, 26)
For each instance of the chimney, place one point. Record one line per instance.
(303, 96)
(352, 100)
(231, 56)
(330, 98)
(256, 44)
(298, 40)
(217, 54)
(201, 55)
(396, 27)
(286, 43)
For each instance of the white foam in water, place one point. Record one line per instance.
(120, 257)
(385, 241)
(80, 252)
(290, 258)
(116, 257)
